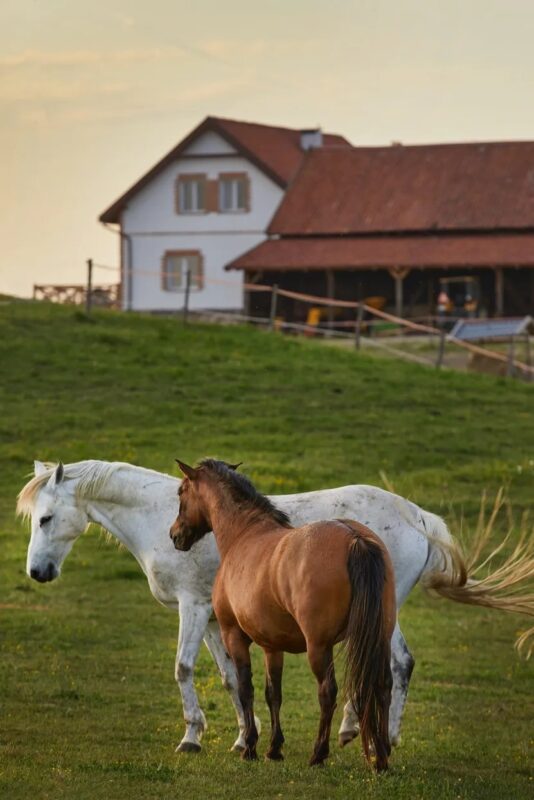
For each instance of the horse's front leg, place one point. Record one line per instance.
(238, 644)
(274, 665)
(194, 618)
(213, 641)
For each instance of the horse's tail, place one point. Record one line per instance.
(450, 572)
(367, 644)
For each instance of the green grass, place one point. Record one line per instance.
(89, 708)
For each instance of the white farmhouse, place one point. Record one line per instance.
(204, 204)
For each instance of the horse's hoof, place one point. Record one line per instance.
(381, 767)
(346, 737)
(249, 755)
(188, 747)
(316, 762)
(237, 748)
(276, 756)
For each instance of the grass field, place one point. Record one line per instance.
(89, 707)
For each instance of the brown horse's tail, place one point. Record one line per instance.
(367, 647)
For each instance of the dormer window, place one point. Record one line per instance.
(191, 194)
(233, 192)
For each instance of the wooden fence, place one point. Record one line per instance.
(365, 318)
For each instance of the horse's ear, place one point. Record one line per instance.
(235, 466)
(58, 474)
(56, 477)
(38, 468)
(189, 472)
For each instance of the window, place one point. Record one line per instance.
(233, 192)
(191, 194)
(175, 265)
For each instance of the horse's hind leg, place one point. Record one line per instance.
(322, 664)
(402, 664)
(274, 664)
(350, 726)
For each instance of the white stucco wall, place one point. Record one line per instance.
(153, 226)
(208, 143)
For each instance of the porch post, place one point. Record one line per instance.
(246, 294)
(398, 295)
(499, 291)
(330, 293)
(398, 274)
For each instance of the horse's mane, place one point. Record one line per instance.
(91, 476)
(243, 491)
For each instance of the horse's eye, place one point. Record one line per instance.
(44, 520)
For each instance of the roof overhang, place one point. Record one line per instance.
(386, 252)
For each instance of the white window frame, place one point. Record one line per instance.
(233, 181)
(175, 280)
(196, 184)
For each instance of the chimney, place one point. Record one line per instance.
(312, 137)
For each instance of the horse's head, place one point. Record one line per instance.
(56, 521)
(192, 522)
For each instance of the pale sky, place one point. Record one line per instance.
(92, 94)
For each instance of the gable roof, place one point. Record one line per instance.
(370, 190)
(275, 151)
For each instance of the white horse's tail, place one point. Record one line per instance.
(450, 573)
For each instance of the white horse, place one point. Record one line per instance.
(139, 505)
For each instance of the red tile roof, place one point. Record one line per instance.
(367, 252)
(415, 188)
(276, 151)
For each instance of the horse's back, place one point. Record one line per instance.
(309, 575)
(399, 523)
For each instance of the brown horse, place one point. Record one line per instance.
(295, 590)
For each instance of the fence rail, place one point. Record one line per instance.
(366, 318)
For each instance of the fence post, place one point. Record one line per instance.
(529, 357)
(274, 300)
(511, 352)
(441, 349)
(358, 328)
(186, 296)
(89, 290)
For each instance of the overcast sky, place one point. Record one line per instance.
(93, 93)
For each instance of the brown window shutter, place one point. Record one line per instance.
(212, 196)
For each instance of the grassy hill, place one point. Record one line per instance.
(89, 704)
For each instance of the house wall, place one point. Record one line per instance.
(152, 226)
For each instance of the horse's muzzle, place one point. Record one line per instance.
(49, 573)
(178, 539)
